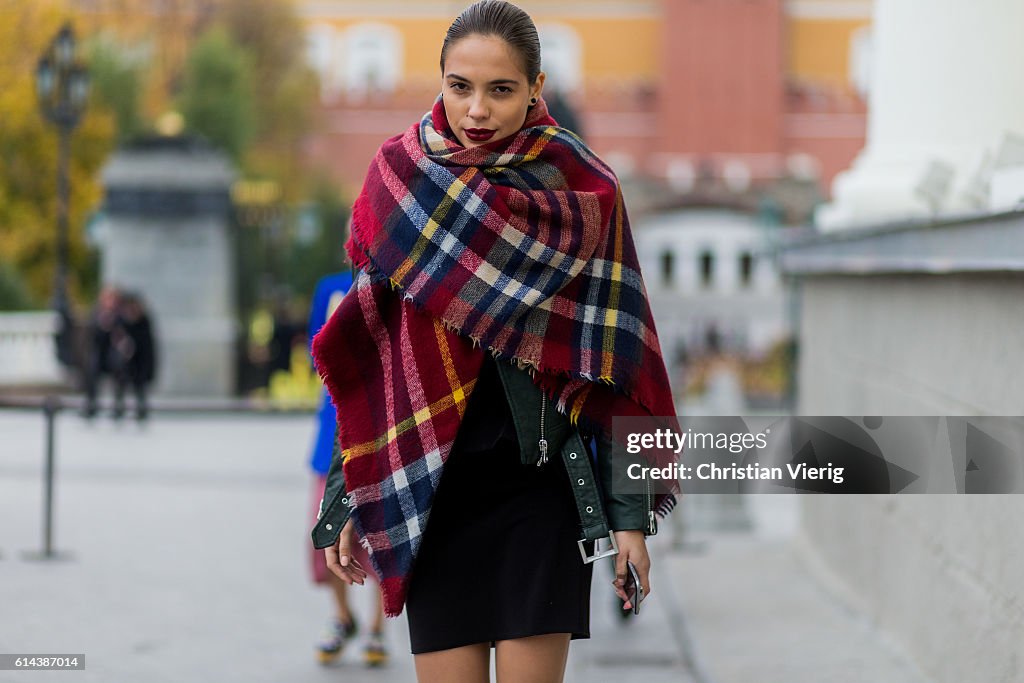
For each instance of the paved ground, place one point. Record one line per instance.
(755, 614)
(185, 547)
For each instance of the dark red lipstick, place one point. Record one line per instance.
(479, 134)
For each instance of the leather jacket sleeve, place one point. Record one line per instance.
(334, 508)
(626, 511)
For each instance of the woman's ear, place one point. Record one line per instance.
(537, 87)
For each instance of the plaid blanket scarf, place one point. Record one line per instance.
(520, 246)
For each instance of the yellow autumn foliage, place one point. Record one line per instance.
(299, 387)
(28, 153)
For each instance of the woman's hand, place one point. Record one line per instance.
(632, 548)
(340, 560)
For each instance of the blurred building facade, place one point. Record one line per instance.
(713, 259)
(672, 90)
(704, 109)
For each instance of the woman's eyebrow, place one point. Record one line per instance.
(500, 81)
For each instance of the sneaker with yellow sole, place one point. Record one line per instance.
(330, 648)
(374, 652)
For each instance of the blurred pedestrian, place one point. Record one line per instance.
(343, 627)
(102, 357)
(712, 340)
(498, 323)
(132, 337)
(287, 335)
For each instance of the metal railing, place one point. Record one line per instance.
(53, 404)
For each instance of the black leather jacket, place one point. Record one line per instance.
(542, 433)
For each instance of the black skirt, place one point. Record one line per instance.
(499, 558)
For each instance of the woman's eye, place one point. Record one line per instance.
(459, 87)
(503, 90)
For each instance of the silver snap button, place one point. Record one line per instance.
(590, 509)
(572, 456)
(580, 482)
(344, 501)
(330, 526)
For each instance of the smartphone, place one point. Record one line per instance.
(634, 591)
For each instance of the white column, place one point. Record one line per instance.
(947, 85)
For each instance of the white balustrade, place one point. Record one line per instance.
(28, 354)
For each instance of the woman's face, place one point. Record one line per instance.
(486, 93)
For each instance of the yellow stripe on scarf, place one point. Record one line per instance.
(577, 405)
(542, 142)
(435, 408)
(458, 395)
(457, 399)
(433, 223)
(614, 291)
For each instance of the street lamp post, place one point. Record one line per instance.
(62, 86)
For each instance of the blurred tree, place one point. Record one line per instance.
(116, 85)
(161, 40)
(157, 34)
(28, 156)
(284, 87)
(319, 244)
(14, 295)
(216, 97)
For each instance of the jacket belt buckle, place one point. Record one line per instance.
(611, 550)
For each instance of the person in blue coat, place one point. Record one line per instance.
(330, 290)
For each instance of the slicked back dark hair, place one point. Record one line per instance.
(503, 20)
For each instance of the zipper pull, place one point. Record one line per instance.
(542, 444)
(652, 522)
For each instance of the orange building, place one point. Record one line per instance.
(828, 66)
(749, 90)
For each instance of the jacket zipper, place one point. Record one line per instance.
(543, 443)
(652, 528)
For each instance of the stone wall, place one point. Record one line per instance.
(941, 573)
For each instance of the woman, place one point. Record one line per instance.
(498, 322)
